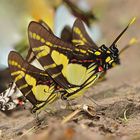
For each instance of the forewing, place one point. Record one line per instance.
(80, 36)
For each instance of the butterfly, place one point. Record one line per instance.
(34, 83)
(73, 66)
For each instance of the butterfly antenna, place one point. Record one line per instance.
(132, 42)
(119, 36)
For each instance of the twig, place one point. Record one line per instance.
(70, 116)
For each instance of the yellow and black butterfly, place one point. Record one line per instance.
(72, 66)
(34, 83)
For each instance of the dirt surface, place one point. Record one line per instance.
(116, 116)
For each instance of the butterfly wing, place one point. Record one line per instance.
(80, 36)
(30, 56)
(34, 84)
(66, 34)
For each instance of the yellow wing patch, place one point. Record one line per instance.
(97, 53)
(14, 63)
(30, 80)
(82, 39)
(75, 74)
(42, 92)
(78, 32)
(59, 58)
(23, 86)
(108, 59)
(78, 42)
(20, 75)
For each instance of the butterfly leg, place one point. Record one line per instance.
(63, 95)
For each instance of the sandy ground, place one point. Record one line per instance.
(117, 115)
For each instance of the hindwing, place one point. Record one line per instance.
(34, 83)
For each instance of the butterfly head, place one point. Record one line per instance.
(109, 57)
